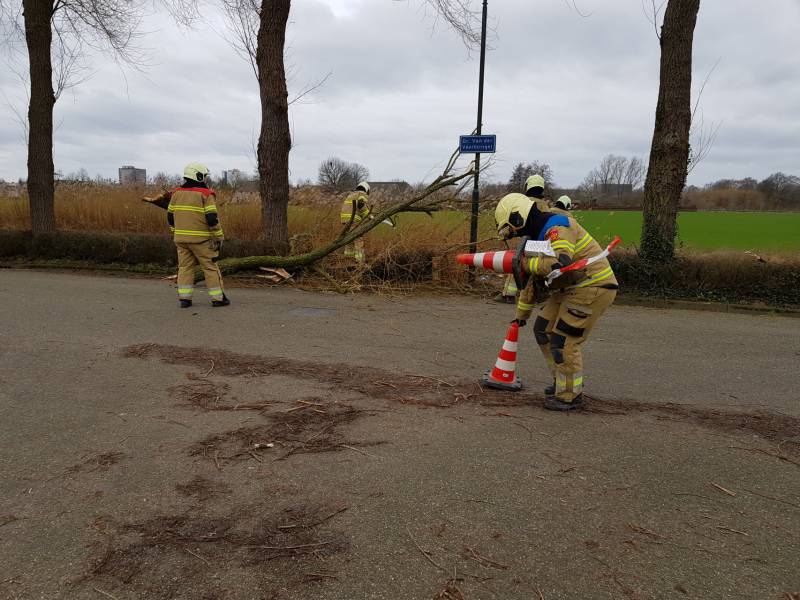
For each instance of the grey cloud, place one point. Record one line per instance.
(560, 88)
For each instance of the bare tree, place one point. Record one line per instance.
(522, 171)
(634, 172)
(340, 175)
(669, 152)
(260, 30)
(58, 34)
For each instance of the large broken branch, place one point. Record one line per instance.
(349, 233)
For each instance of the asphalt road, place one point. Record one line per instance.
(508, 502)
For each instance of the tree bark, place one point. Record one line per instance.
(669, 152)
(274, 141)
(39, 36)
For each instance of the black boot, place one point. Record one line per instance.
(223, 302)
(550, 390)
(185, 303)
(553, 403)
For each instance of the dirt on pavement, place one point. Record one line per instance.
(150, 461)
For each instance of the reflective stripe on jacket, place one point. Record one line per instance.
(192, 215)
(571, 243)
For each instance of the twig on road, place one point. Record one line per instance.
(198, 556)
(723, 528)
(777, 455)
(106, 594)
(207, 373)
(724, 490)
(425, 553)
(772, 498)
(472, 554)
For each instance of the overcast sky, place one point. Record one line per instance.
(560, 88)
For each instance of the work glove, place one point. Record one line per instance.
(162, 200)
(216, 245)
(520, 322)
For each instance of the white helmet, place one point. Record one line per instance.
(195, 171)
(363, 186)
(565, 202)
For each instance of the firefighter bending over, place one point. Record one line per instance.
(354, 210)
(534, 189)
(577, 300)
(193, 219)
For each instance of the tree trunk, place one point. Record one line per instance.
(274, 141)
(669, 152)
(38, 36)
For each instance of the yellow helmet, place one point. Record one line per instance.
(534, 181)
(511, 213)
(565, 201)
(364, 186)
(195, 171)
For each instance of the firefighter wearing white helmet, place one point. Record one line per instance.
(576, 302)
(197, 233)
(355, 209)
(534, 190)
(563, 205)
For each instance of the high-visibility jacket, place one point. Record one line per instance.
(192, 215)
(355, 208)
(571, 243)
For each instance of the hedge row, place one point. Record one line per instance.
(719, 276)
(106, 248)
(727, 277)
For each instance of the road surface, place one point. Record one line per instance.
(312, 445)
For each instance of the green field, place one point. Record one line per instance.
(705, 230)
(776, 232)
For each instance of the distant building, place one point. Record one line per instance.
(130, 175)
(11, 190)
(233, 177)
(391, 187)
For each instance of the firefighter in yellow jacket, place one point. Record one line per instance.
(577, 300)
(354, 210)
(534, 189)
(193, 219)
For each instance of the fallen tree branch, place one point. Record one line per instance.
(350, 234)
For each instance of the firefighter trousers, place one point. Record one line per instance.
(190, 255)
(562, 325)
(355, 250)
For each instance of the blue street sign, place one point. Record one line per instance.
(477, 144)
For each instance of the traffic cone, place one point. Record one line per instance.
(499, 262)
(502, 376)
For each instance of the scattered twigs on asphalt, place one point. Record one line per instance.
(440, 381)
(724, 490)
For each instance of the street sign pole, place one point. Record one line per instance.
(473, 223)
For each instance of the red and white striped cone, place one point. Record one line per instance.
(502, 376)
(499, 262)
